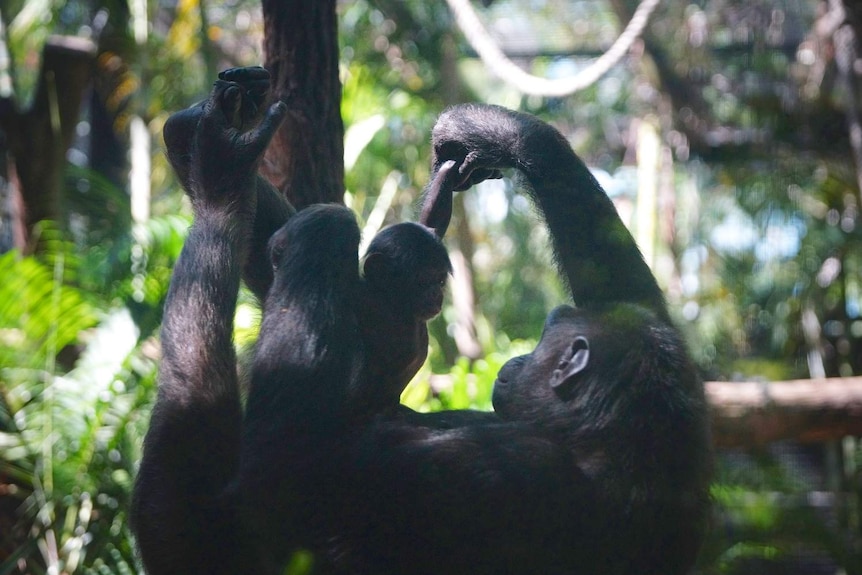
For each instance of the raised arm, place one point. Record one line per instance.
(191, 451)
(595, 252)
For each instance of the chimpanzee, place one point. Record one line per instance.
(610, 478)
(618, 383)
(600, 459)
(181, 495)
(405, 271)
(308, 365)
(595, 252)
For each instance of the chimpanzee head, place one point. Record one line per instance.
(410, 264)
(593, 367)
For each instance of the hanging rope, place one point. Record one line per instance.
(503, 67)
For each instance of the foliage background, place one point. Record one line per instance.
(758, 247)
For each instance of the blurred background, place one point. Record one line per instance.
(727, 132)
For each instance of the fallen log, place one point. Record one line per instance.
(746, 414)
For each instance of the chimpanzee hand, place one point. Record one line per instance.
(253, 81)
(480, 149)
(240, 94)
(474, 169)
(224, 158)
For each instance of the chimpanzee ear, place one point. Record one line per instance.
(574, 361)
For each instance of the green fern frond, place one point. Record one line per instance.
(38, 312)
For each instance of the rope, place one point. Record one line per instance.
(494, 58)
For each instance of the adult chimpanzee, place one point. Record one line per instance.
(610, 478)
(601, 459)
(185, 513)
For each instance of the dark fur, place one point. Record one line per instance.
(595, 464)
(298, 410)
(611, 380)
(405, 267)
(595, 252)
(598, 466)
(181, 518)
(272, 209)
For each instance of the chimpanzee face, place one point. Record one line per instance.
(547, 377)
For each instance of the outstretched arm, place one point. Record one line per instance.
(191, 450)
(595, 252)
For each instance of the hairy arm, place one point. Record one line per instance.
(191, 451)
(595, 252)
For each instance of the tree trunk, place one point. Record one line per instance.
(306, 157)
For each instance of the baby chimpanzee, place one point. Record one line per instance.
(405, 271)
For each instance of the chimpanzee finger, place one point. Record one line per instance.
(244, 74)
(218, 110)
(232, 103)
(258, 139)
(240, 107)
(446, 175)
(473, 171)
(255, 85)
(256, 90)
(253, 80)
(478, 176)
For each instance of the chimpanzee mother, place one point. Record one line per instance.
(597, 460)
